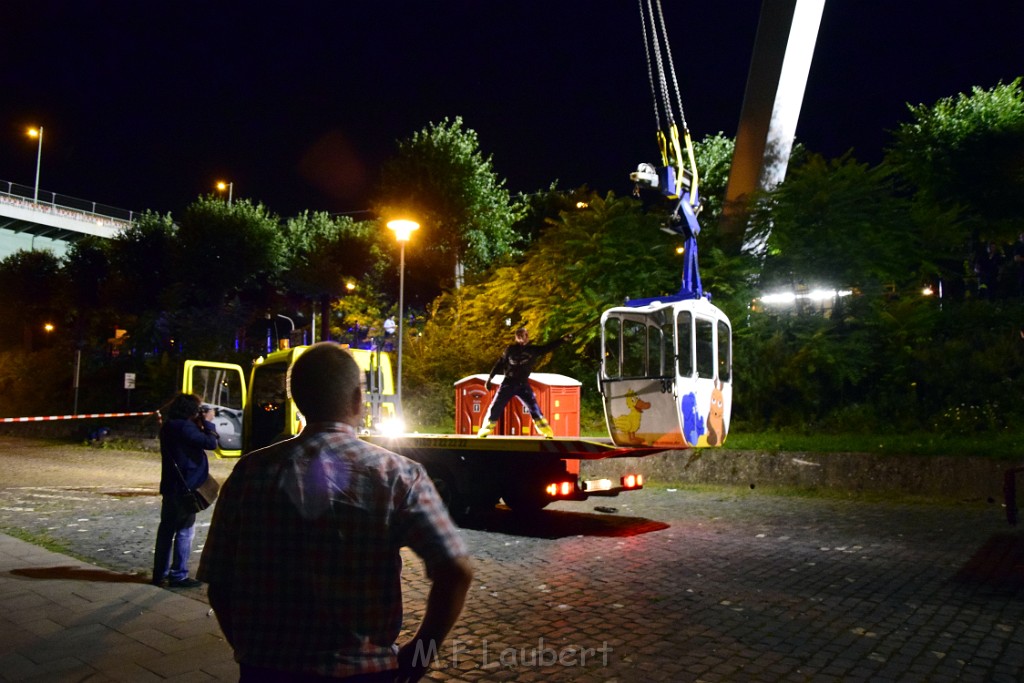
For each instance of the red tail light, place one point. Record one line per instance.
(560, 489)
(633, 481)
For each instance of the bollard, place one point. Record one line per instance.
(1010, 494)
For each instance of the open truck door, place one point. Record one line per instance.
(221, 386)
(257, 413)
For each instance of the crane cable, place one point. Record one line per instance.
(662, 143)
(671, 148)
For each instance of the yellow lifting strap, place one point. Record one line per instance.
(663, 146)
(694, 195)
(673, 156)
(676, 159)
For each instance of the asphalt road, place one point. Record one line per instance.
(657, 585)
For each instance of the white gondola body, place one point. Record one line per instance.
(666, 373)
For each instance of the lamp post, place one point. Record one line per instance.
(37, 133)
(229, 186)
(403, 229)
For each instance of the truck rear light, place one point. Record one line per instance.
(560, 489)
(598, 485)
(633, 481)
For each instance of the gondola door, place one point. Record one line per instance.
(637, 377)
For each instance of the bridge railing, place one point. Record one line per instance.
(51, 202)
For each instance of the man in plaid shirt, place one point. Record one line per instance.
(302, 557)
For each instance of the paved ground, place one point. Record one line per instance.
(660, 585)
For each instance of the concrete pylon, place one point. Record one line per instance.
(783, 49)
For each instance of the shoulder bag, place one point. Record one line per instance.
(197, 499)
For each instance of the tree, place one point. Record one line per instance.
(142, 273)
(838, 224)
(86, 277)
(222, 251)
(334, 257)
(967, 153)
(714, 161)
(30, 283)
(440, 178)
(227, 261)
(540, 209)
(141, 265)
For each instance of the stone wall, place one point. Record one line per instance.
(959, 478)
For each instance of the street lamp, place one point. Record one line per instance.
(37, 133)
(230, 187)
(403, 229)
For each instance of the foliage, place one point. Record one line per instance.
(797, 369)
(714, 160)
(1002, 445)
(969, 419)
(87, 264)
(452, 345)
(882, 365)
(887, 359)
(222, 251)
(539, 209)
(336, 259)
(838, 224)
(967, 152)
(440, 177)
(35, 382)
(225, 262)
(31, 279)
(325, 253)
(141, 264)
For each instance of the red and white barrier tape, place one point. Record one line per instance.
(75, 417)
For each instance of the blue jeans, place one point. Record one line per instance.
(173, 542)
(508, 390)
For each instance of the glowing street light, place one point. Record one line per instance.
(403, 230)
(37, 133)
(229, 186)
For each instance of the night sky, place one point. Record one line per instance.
(146, 104)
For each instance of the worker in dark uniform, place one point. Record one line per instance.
(516, 363)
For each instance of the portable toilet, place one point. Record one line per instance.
(557, 395)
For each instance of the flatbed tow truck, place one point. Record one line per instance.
(525, 472)
(471, 474)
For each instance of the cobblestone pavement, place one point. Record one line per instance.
(656, 585)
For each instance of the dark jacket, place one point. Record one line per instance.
(182, 442)
(518, 360)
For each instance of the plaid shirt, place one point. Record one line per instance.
(306, 535)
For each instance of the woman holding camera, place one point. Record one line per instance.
(185, 436)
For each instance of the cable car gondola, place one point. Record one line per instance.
(666, 370)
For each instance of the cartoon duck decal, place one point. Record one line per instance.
(629, 424)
